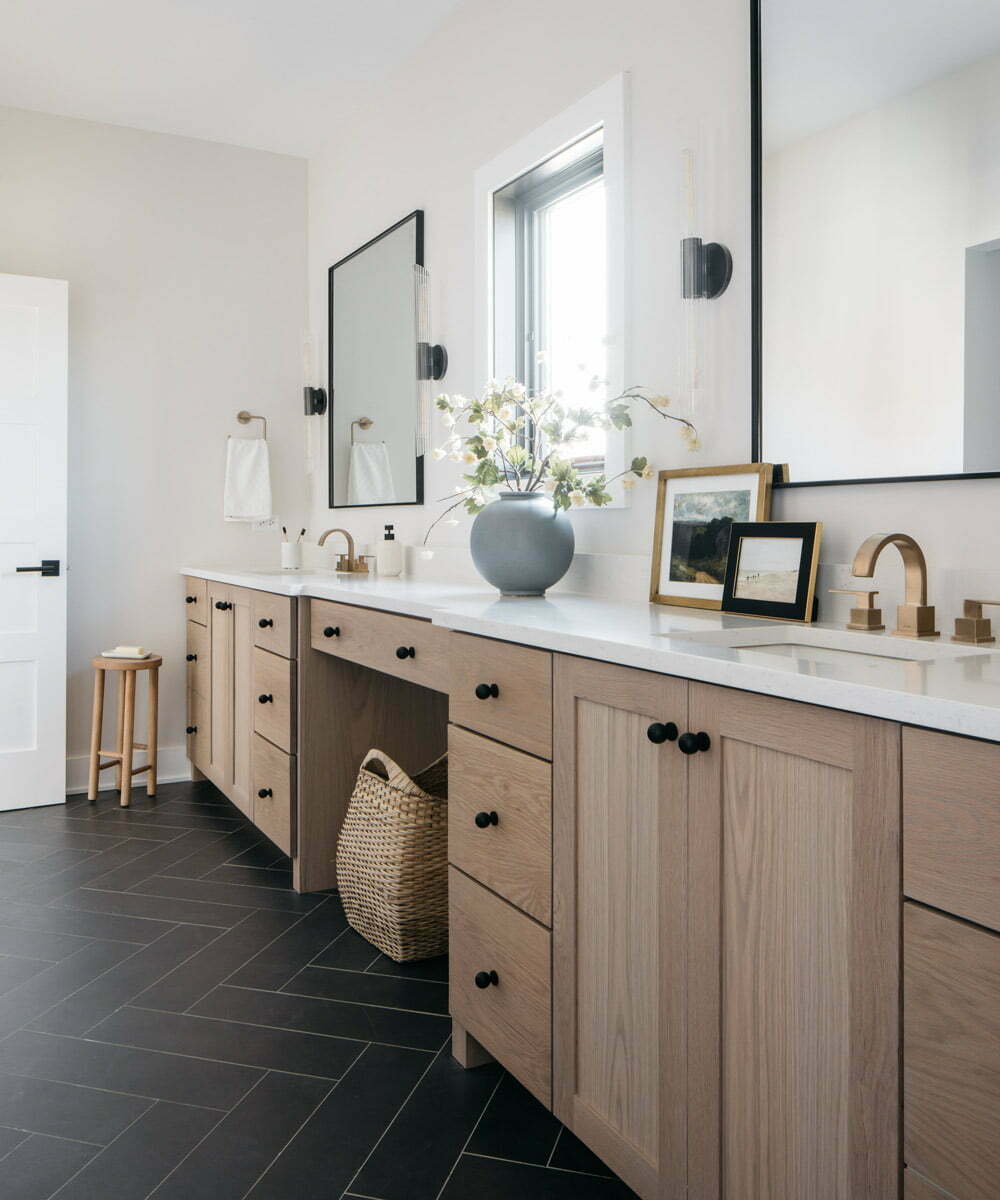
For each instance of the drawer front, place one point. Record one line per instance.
(199, 739)
(196, 599)
(916, 1188)
(520, 713)
(273, 623)
(951, 1053)
(379, 640)
(199, 666)
(272, 772)
(514, 855)
(951, 824)
(513, 1018)
(274, 699)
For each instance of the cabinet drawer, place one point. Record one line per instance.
(513, 856)
(520, 713)
(951, 824)
(382, 641)
(272, 772)
(274, 699)
(512, 1018)
(273, 623)
(199, 673)
(951, 1053)
(199, 737)
(196, 599)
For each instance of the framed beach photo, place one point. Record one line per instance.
(771, 570)
(695, 510)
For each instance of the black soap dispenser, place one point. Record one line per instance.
(389, 556)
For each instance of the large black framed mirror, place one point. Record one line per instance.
(876, 239)
(376, 452)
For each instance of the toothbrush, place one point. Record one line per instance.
(284, 534)
(302, 534)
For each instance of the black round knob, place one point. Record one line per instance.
(332, 631)
(691, 743)
(192, 658)
(485, 819)
(265, 698)
(192, 729)
(264, 793)
(222, 605)
(265, 622)
(659, 732)
(405, 652)
(485, 978)
(191, 599)
(485, 690)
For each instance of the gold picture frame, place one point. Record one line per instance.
(741, 489)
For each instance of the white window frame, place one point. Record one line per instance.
(604, 108)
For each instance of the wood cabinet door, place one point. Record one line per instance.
(241, 618)
(619, 848)
(793, 952)
(220, 697)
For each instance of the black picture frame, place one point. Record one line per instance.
(757, 285)
(418, 216)
(803, 608)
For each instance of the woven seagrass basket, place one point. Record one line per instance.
(392, 858)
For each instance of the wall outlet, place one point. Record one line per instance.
(270, 523)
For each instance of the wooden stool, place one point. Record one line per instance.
(121, 757)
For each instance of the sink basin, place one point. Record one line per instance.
(803, 641)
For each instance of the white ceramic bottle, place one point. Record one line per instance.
(389, 556)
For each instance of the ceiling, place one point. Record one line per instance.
(262, 73)
(823, 62)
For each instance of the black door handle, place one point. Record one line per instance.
(264, 622)
(222, 605)
(192, 658)
(264, 793)
(485, 819)
(332, 631)
(265, 698)
(192, 729)
(485, 978)
(485, 690)
(405, 652)
(659, 733)
(691, 743)
(49, 567)
(191, 599)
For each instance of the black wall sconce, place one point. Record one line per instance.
(706, 269)
(315, 401)
(432, 361)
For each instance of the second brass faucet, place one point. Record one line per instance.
(915, 617)
(347, 563)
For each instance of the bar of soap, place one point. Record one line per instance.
(130, 652)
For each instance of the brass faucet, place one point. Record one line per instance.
(347, 562)
(915, 618)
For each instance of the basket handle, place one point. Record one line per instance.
(398, 778)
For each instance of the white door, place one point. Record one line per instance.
(33, 346)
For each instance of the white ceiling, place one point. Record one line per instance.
(824, 61)
(262, 73)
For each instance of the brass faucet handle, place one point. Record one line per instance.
(864, 615)
(973, 628)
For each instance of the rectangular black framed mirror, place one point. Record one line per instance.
(876, 240)
(376, 452)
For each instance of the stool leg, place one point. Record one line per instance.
(120, 736)
(154, 704)
(97, 723)
(127, 734)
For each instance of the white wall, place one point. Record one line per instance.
(186, 263)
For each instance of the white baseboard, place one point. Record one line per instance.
(172, 766)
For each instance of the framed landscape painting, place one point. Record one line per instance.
(695, 510)
(772, 570)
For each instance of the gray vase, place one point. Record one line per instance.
(521, 544)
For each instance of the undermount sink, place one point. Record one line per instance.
(796, 641)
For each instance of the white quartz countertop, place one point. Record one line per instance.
(958, 692)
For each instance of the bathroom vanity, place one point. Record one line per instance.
(724, 895)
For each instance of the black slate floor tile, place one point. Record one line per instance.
(187, 983)
(315, 1165)
(515, 1125)
(226, 893)
(39, 944)
(227, 1163)
(40, 918)
(159, 908)
(143, 823)
(60, 882)
(434, 969)
(226, 1041)
(9, 1138)
(365, 1023)
(285, 957)
(265, 854)
(142, 1157)
(15, 971)
(42, 1164)
(38, 834)
(271, 877)
(63, 1110)
(349, 952)
(92, 1003)
(202, 861)
(123, 877)
(571, 1154)
(415, 994)
(494, 1179)
(125, 1069)
(417, 1151)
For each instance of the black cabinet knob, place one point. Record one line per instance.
(485, 690)
(691, 743)
(405, 652)
(485, 819)
(192, 657)
(191, 599)
(264, 793)
(265, 698)
(332, 631)
(659, 732)
(265, 622)
(192, 729)
(485, 978)
(222, 605)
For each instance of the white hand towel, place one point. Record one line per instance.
(370, 480)
(248, 480)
